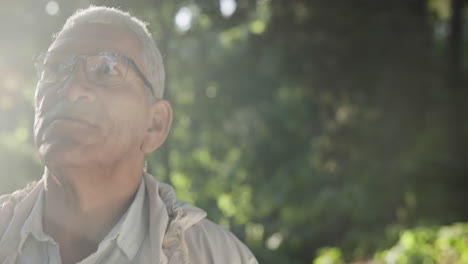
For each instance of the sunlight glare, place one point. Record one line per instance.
(228, 7)
(52, 8)
(274, 241)
(183, 19)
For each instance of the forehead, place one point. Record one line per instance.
(93, 38)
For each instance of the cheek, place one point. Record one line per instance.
(45, 98)
(39, 111)
(37, 130)
(127, 119)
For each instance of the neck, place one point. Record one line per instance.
(82, 206)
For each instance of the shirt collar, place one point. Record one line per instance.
(129, 231)
(134, 224)
(33, 224)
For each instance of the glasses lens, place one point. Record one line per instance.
(53, 68)
(106, 69)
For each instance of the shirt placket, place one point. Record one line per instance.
(53, 253)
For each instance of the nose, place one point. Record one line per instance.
(76, 88)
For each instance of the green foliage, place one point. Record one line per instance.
(421, 245)
(328, 256)
(447, 244)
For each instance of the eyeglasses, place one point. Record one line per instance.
(102, 69)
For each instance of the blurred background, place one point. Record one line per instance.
(318, 132)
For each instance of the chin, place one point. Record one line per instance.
(62, 155)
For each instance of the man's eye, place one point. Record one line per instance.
(54, 68)
(105, 69)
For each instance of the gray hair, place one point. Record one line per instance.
(109, 15)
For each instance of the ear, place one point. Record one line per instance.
(159, 125)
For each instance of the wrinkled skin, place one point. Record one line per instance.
(92, 141)
(78, 124)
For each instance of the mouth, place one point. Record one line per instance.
(71, 119)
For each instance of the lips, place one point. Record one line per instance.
(68, 117)
(72, 119)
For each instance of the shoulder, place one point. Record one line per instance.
(208, 242)
(190, 237)
(8, 203)
(9, 200)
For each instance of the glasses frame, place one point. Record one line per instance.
(74, 58)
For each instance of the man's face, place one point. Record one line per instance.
(81, 124)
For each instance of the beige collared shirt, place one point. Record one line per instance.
(156, 229)
(121, 245)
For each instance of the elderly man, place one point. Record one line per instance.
(99, 110)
